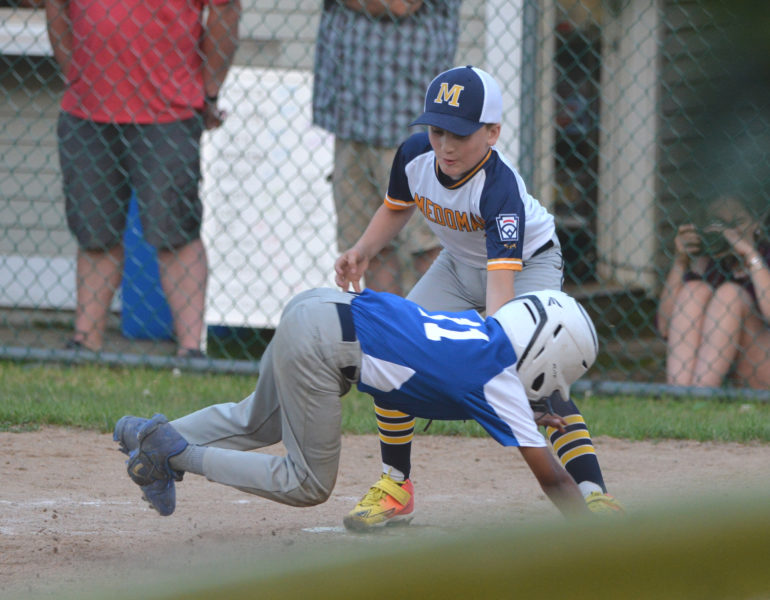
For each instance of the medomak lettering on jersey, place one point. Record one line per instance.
(453, 219)
(508, 226)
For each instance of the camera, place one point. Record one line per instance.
(712, 241)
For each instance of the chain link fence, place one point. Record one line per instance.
(626, 118)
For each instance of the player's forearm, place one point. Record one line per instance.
(560, 488)
(59, 33)
(500, 289)
(219, 44)
(566, 497)
(382, 229)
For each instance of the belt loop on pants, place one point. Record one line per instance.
(345, 315)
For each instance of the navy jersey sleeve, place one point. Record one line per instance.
(399, 195)
(502, 208)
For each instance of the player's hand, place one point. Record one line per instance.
(551, 420)
(349, 269)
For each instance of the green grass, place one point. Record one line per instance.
(95, 397)
(687, 419)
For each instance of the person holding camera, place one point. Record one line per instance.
(715, 305)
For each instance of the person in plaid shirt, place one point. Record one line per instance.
(372, 60)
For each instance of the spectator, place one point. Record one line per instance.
(372, 60)
(715, 304)
(141, 85)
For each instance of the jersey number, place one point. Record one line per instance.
(434, 332)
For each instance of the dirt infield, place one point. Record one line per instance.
(69, 515)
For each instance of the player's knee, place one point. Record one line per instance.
(313, 494)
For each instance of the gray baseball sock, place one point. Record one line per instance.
(189, 460)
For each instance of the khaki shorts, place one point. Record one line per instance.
(360, 182)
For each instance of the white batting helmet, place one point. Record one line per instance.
(554, 338)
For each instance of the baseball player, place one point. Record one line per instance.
(498, 242)
(436, 365)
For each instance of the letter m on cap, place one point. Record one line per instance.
(449, 95)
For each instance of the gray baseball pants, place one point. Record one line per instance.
(296, 401)
(454, 286)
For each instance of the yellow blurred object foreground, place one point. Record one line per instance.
(698, 549)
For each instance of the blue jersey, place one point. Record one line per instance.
(485, 220)
(440, 365)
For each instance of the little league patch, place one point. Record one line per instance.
(508, 226)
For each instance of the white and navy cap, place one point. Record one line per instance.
(461, 100)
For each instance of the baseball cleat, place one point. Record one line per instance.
(125, 433)
(604, 504)
(387, 502)
(161, 495)
(148, 464)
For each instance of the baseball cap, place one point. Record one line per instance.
(460, 100)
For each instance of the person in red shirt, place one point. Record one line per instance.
(142, 80)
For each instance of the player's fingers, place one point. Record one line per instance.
(339, 275)
(339, 264)
(350, 267)
(342, 271)
(342, 282)
(552, 420)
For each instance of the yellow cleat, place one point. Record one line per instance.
(604, 504)
(387, 502)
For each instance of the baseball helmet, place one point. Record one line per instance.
(554, 339)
